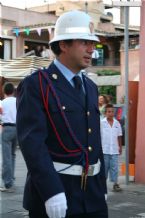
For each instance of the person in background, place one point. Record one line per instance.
(102, 104)
(9, 137)
(95, 56)
(109, 99)
(38, 50)
(58, 127)
(111, 135)
(47, 53)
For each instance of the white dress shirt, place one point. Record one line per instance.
(109, 136)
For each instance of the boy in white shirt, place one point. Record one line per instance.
(111, 136)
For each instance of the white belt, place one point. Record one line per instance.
(76, 170)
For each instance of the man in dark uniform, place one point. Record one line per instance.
(58, 125)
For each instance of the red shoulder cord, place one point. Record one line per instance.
(69, 152)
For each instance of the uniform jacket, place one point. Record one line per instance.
(40, 147)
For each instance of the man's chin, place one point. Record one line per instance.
(84, 66)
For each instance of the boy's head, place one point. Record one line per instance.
(109, 111)
(9, 89)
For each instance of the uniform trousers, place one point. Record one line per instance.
(98, 214)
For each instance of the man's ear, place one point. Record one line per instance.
(63, 46)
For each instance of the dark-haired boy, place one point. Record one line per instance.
(111, 134)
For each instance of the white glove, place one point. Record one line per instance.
(56, 206)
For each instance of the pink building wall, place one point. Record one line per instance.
(133, 70)
(14, 17)
(140, 137)
(26, 17)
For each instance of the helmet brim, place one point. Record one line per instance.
(90, 37)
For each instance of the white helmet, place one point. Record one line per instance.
(74, 25)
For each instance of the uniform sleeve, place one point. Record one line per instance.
(102, 173)
(102, 170)
(32, 129)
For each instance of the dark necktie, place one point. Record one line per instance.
(79, 88)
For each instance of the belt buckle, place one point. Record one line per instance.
(91, 170)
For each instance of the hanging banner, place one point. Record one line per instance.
(49, 30)
(27, 31)
(16, 31)
(39, 31)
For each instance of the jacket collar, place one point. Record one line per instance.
(61, 83)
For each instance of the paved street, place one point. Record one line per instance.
(130, 203)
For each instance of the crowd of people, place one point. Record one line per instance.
(69, 149)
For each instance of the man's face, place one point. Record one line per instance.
(109, 113)
(101, 100)
(77, 55)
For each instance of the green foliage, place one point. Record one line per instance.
(107, 72)
(108, 90)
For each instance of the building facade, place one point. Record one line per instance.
(23, 31)
(18, 27)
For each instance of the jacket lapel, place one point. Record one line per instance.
(90, 96)
(60, 82)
